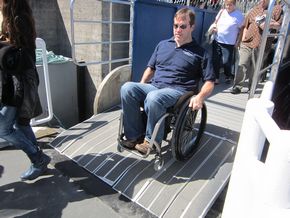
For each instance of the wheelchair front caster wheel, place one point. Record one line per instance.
(120, 148)
(158, 163)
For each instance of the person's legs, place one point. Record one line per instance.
(244, 68)
(132, 95)
(39, 160)
(12, 135)
(156, 104)
(27, 131)
(18, 138)
(267, 60)
(216, 59)
(251, 68)
(227, 58)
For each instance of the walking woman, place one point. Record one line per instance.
(229, 23)
(19, 100)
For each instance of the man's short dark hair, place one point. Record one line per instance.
(186, 11)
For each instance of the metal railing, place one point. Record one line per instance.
(40, 44)
(243, 5)
(274, 67)
(108, 42)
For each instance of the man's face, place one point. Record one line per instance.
(182, 29)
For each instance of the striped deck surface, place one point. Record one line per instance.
(179, 189)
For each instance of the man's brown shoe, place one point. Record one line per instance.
(131, 143)
(143, 147)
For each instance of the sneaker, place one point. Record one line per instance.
(38, 166)
(216, 82)
(143, 147)
(235, 90)
(131, 143)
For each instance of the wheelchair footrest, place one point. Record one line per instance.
(158, 162)
(133, 151)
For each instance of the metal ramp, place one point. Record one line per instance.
(180, 189)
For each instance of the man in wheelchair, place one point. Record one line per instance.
(175, 68)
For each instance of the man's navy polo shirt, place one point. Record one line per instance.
(182, 67)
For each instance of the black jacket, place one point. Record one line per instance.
(19, 81)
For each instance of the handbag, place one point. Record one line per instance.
(210, 33)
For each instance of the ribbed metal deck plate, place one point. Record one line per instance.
(180, 189)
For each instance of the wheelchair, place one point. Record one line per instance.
(186, 128)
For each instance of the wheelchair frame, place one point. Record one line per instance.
(181, 121)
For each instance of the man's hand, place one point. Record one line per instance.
(273, 25)
(196, 102)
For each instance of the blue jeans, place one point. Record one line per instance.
(156, 101)
(20, 136)
(222, 54)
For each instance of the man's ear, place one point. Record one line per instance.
(192, 27)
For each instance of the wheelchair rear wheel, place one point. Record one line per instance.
(187, 132)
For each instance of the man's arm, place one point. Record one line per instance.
(147, 75)
(197, 100)
(276, 20)
(244, 34)
(273, 25)
(239, 37)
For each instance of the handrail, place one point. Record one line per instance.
(103, 43)
(282, 39)
(261, 51)
(243, 5)
(279, 48)
(102, 21)
(73, 21)
(40, 43)
(72, 30)
(103, 62)
(118, 2)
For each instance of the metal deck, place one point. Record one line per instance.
(180, 189)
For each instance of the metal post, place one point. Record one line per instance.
(72, 30)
